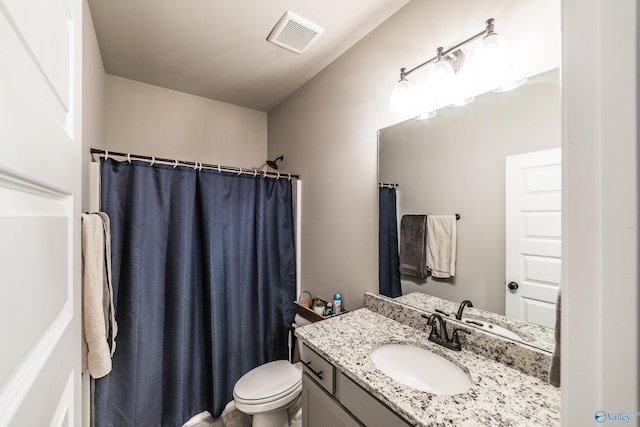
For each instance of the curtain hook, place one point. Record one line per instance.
(106, 154)
(129, 158)
(200, 167)
(175, 165)
(255, 172)
(278, 175)
(289, 176)
(195, 166)
(153, 160)
(264, 174)
(219, 171)
(240, 171)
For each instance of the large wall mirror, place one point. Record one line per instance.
(454, 163)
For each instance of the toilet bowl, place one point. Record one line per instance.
(267, 391)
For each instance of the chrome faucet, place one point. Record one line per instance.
(439, 334)
(463, 304)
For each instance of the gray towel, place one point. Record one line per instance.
(413, 245)
(554, 372)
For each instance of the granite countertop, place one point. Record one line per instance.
(500, 396)
(534, 335)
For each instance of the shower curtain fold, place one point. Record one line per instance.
(388, 259)
(204, 277)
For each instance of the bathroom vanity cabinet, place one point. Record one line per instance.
(329, 398)
(342, 386)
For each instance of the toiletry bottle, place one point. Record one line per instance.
(337, 304)
(328, 311)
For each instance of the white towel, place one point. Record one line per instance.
(93, 277)
(441, 245)
(107, 303)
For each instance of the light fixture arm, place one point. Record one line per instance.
(489, 29)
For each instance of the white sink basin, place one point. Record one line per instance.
(420, 369)
(492, 327)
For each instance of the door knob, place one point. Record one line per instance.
(512, 285)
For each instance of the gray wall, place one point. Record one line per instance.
(150, 120)
(327, 130)
(128, 116)
(455, 163)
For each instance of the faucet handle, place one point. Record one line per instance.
(455, 339)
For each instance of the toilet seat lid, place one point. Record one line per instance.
(272, 379)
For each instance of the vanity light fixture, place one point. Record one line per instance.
(446, 63)
(426, 116)
(510, 86)
(463, 102)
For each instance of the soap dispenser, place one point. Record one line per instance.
(337, 303)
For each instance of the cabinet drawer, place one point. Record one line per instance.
(368, 410)
(318, 369)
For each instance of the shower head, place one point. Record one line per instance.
(274, 163)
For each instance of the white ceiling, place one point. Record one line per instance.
(218, 48)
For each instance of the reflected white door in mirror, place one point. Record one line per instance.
(533, 235)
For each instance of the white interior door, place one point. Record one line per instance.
(40, 148)
(533, 235)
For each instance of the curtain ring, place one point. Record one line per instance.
(195, 166)
(240, 171)
(255, 172)
(106, 155)
(264, 174)
(175, 165)
(219, 171)
(129, 158)
(278, 175)
(289, 176)
(153, 160)
(200, 170)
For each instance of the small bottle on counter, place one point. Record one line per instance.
(328, 309)
(337, 304)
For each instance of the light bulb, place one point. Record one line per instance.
(403, 97)
(463, 102)
(510, 86)
(439, 81)
(494, 55)
(441, 74)
(427, 115)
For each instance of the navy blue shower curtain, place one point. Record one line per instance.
(203, 278)
(388, 259)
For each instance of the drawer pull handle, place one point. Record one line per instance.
(316, 373)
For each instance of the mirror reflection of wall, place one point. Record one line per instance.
(455, 163)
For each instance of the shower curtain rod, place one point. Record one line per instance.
(388, 185)
(196, 165)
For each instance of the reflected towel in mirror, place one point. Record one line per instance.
(441, 245)
(413, 244)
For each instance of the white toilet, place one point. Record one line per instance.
(266, 392)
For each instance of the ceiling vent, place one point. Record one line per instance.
(294, 33)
